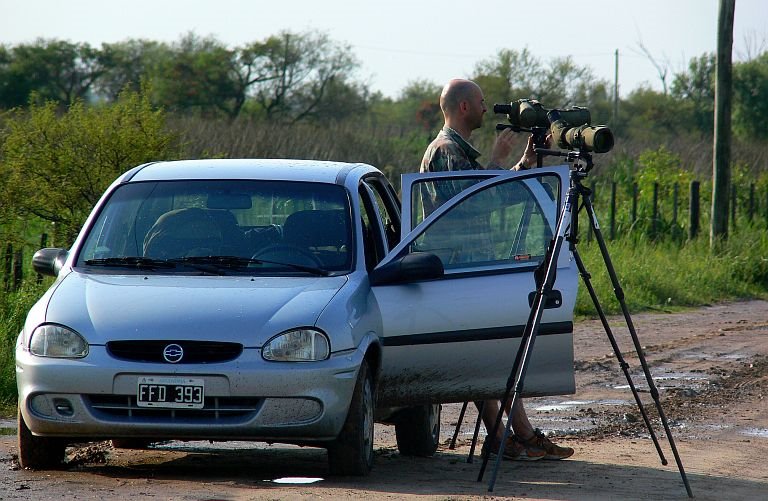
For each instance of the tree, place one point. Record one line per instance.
(512, 75)
(696, 88)
(750, 86)
(127, 64)
(297, 71)
(417, 104)
(56, 166)
(509, 75)
(53, 70)
(199, 77)
(652, 115)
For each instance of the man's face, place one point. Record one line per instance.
(476, 109)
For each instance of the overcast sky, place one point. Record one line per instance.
(399, 41)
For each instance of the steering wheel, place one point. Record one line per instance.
(288, 254)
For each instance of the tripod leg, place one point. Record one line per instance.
(458, 426)
(543, 290)
(480, 409)
(633, 333)
(586, 277)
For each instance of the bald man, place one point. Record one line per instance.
(463, 107)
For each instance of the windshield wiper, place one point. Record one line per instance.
(139, 262)
(243, 262)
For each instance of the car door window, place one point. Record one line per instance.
(373, 247)
(387, 211)
(508, 223)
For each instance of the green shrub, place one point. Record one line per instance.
(56, 165)
(13, 311)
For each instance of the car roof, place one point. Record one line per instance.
(269, 169)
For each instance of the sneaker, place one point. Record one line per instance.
(551, 451)
(514, 450)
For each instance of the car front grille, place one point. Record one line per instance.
(218, 410)
(194, 352)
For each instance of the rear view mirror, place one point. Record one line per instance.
(49, 261)
(409, 268)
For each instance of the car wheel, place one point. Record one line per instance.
(352, 452)
(38, 453)
(417, 430)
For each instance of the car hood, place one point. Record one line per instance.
(247, 310)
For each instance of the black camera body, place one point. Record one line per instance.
(570, 127)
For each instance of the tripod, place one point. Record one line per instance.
(567, 230)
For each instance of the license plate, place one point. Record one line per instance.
(170, 392)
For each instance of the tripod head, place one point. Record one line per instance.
(539, 135)
(580, 159)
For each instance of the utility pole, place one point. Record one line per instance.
(721, 169)
(615, 121)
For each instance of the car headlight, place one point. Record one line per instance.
(57, 341)
(300, 345)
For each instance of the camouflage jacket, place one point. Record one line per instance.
(451, 152)
(447, 152)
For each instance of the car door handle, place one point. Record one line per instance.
(554, 299)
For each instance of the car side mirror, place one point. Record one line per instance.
(409, 268)
(49, 261)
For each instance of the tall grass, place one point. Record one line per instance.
(666, 275)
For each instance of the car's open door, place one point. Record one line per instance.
(455, 337)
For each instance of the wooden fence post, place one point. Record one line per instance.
(43, 244)
(7, 267)
(612, 229)
(18, 268)
(733, 206)
(674, 204)
(655, 211)
(751, 204)
(766, 207)
(635, 194)
(693, 211)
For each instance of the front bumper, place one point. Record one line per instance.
(246, 399)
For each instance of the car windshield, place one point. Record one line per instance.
(222, 227)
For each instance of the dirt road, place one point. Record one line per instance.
(710, 365)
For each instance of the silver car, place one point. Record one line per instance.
(290, 301)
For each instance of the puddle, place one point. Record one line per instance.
(683, 376)
(562, 406)
(732, 356)
(297, 480)
(554, 407)
(756, 432)
(571, 404)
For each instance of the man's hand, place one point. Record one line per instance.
(528, 160)
(502, 147)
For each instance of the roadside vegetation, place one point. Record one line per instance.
(73, 117)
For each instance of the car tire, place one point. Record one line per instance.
(417, 430)
(38, 453)
(352, 452)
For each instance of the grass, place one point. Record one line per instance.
(668, 275)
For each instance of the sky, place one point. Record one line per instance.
(400, 41)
